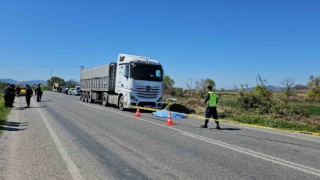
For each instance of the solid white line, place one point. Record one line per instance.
(72, 168)
(272, 159)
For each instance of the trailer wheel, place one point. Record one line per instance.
(105, 99)
(90, 100)
(86, 97)
(121, 103)
(83, 94)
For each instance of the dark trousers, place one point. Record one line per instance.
(28, 100)
(10, 101)
(6, 101)
(39, 96)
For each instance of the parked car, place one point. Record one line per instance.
(65, 90)
(70, 91)
(171, 99)
(76, 91)
(23, 91)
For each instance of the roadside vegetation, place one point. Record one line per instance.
(286, 109)
(3, 111)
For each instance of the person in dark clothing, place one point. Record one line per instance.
(6, 93)
(18, 90)
(11, 95)
(35, 89)
(29, 94)
(39, 92)
(211, 100)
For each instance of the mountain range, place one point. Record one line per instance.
(11, 81)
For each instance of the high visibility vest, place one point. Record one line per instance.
(42, 88)
(213, 99)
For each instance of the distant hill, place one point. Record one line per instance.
(11, 81)
(43, 82)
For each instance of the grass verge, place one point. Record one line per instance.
(3, 113)
(276, 123)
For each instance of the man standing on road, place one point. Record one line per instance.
(18, 90)
(29, 94)
(39, 92)
(211, 100)
(6, 93)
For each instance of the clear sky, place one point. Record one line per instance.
(230, 41)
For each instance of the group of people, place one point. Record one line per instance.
(10, 91)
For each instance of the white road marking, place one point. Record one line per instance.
(72, 168)
(262, 156)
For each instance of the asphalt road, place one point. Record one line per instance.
(64, 138)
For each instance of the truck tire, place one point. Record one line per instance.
(81, 96)
(121, 103)
(105, 99)
(90, 100)
(85, 97)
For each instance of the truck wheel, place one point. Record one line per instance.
(121, 103)
(86, 97)
(90, 100)
(83, 94)
(81, 97)
(105, 99)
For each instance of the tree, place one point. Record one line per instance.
(55, 79)
(314, 85)
(300, 88)
(72, 83)
(202, 84)
(178, 92)
(288, 84)
(167, 83)
(314, 82)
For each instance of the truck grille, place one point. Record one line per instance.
(147, 91)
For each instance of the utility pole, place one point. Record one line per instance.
(51, 84)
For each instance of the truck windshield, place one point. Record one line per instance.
(146, 72)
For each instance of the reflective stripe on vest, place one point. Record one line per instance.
(213, 99)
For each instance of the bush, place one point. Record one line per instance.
(314, 94)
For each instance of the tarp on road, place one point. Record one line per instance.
(165, 114)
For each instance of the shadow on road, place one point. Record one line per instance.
(24, 108)
(228, 129)
(12, 126)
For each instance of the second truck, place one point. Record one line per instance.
(132, 81)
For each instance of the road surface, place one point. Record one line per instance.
(64, 138)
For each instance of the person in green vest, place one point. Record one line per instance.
(211, 101)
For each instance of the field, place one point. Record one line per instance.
(297, 114)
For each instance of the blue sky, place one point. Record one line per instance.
(230, 41)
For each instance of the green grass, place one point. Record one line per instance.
(275, 123)
(3, 113)
(311, 109)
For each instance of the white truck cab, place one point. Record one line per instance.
(139, 80)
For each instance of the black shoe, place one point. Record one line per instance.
(204, 126)
(218, 127)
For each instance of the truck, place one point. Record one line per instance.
(131, 81)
